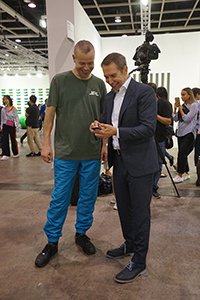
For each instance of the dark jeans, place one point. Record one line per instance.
(160, 161)
(184, 146)
(9, 131)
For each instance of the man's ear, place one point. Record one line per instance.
(125, 70)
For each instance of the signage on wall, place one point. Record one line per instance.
(70, 30)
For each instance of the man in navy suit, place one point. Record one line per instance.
(129, 122)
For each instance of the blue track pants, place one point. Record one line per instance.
(64, 177)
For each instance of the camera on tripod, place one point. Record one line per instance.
(146, 52)
(143, 56)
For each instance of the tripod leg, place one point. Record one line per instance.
(164, 162)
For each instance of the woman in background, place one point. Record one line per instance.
(9, 125)
(186, 115)
(162, 93)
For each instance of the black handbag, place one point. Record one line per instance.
(185, 110)
(105, 184)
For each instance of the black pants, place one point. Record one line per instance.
(23, 137)
(9, 131)
(184, 146)
(197, 149)
(133, 195)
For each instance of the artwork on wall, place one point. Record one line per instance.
(20, 97)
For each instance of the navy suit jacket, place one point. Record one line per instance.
(137, 123)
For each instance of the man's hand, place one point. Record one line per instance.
(94, 124)
(105, 132)
(47, 154)
(104, 156)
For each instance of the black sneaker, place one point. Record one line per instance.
(156, 195)
(38, 154)
(120, 252)
(131, 272)
(83, 241)
(47, 253)
(30, 154)
(197, 183)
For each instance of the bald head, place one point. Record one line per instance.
(83, 46)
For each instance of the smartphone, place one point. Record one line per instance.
(177, 100)
(96, 128)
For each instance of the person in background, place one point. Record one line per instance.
(163, 120)
(129, 122)
(27, 124)
(162, 93)
(1, 133)
(32, 114)
(76, 97)
(196, 92)
(9, 126)
(42, 112)
(186, 116)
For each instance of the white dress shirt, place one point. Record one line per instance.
(118, 100)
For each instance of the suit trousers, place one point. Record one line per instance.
(133, 195)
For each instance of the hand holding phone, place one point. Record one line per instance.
(177, 101)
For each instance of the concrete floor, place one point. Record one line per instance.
(172, 262)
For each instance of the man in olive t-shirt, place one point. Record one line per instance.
(77, 98)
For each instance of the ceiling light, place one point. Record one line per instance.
(118, 20)
(18, 41)
(27, 1)
(145, 2)
(32, 5)
(124, 35)
(43, 23)
(7, 54)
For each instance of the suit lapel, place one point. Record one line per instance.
(129, 95)
(111, 104)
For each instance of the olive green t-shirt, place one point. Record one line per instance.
(78, 103)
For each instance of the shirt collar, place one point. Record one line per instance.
(125, 85)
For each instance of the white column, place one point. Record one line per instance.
(59, 46)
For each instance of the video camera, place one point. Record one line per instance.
(143, 56)
(146, 52)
